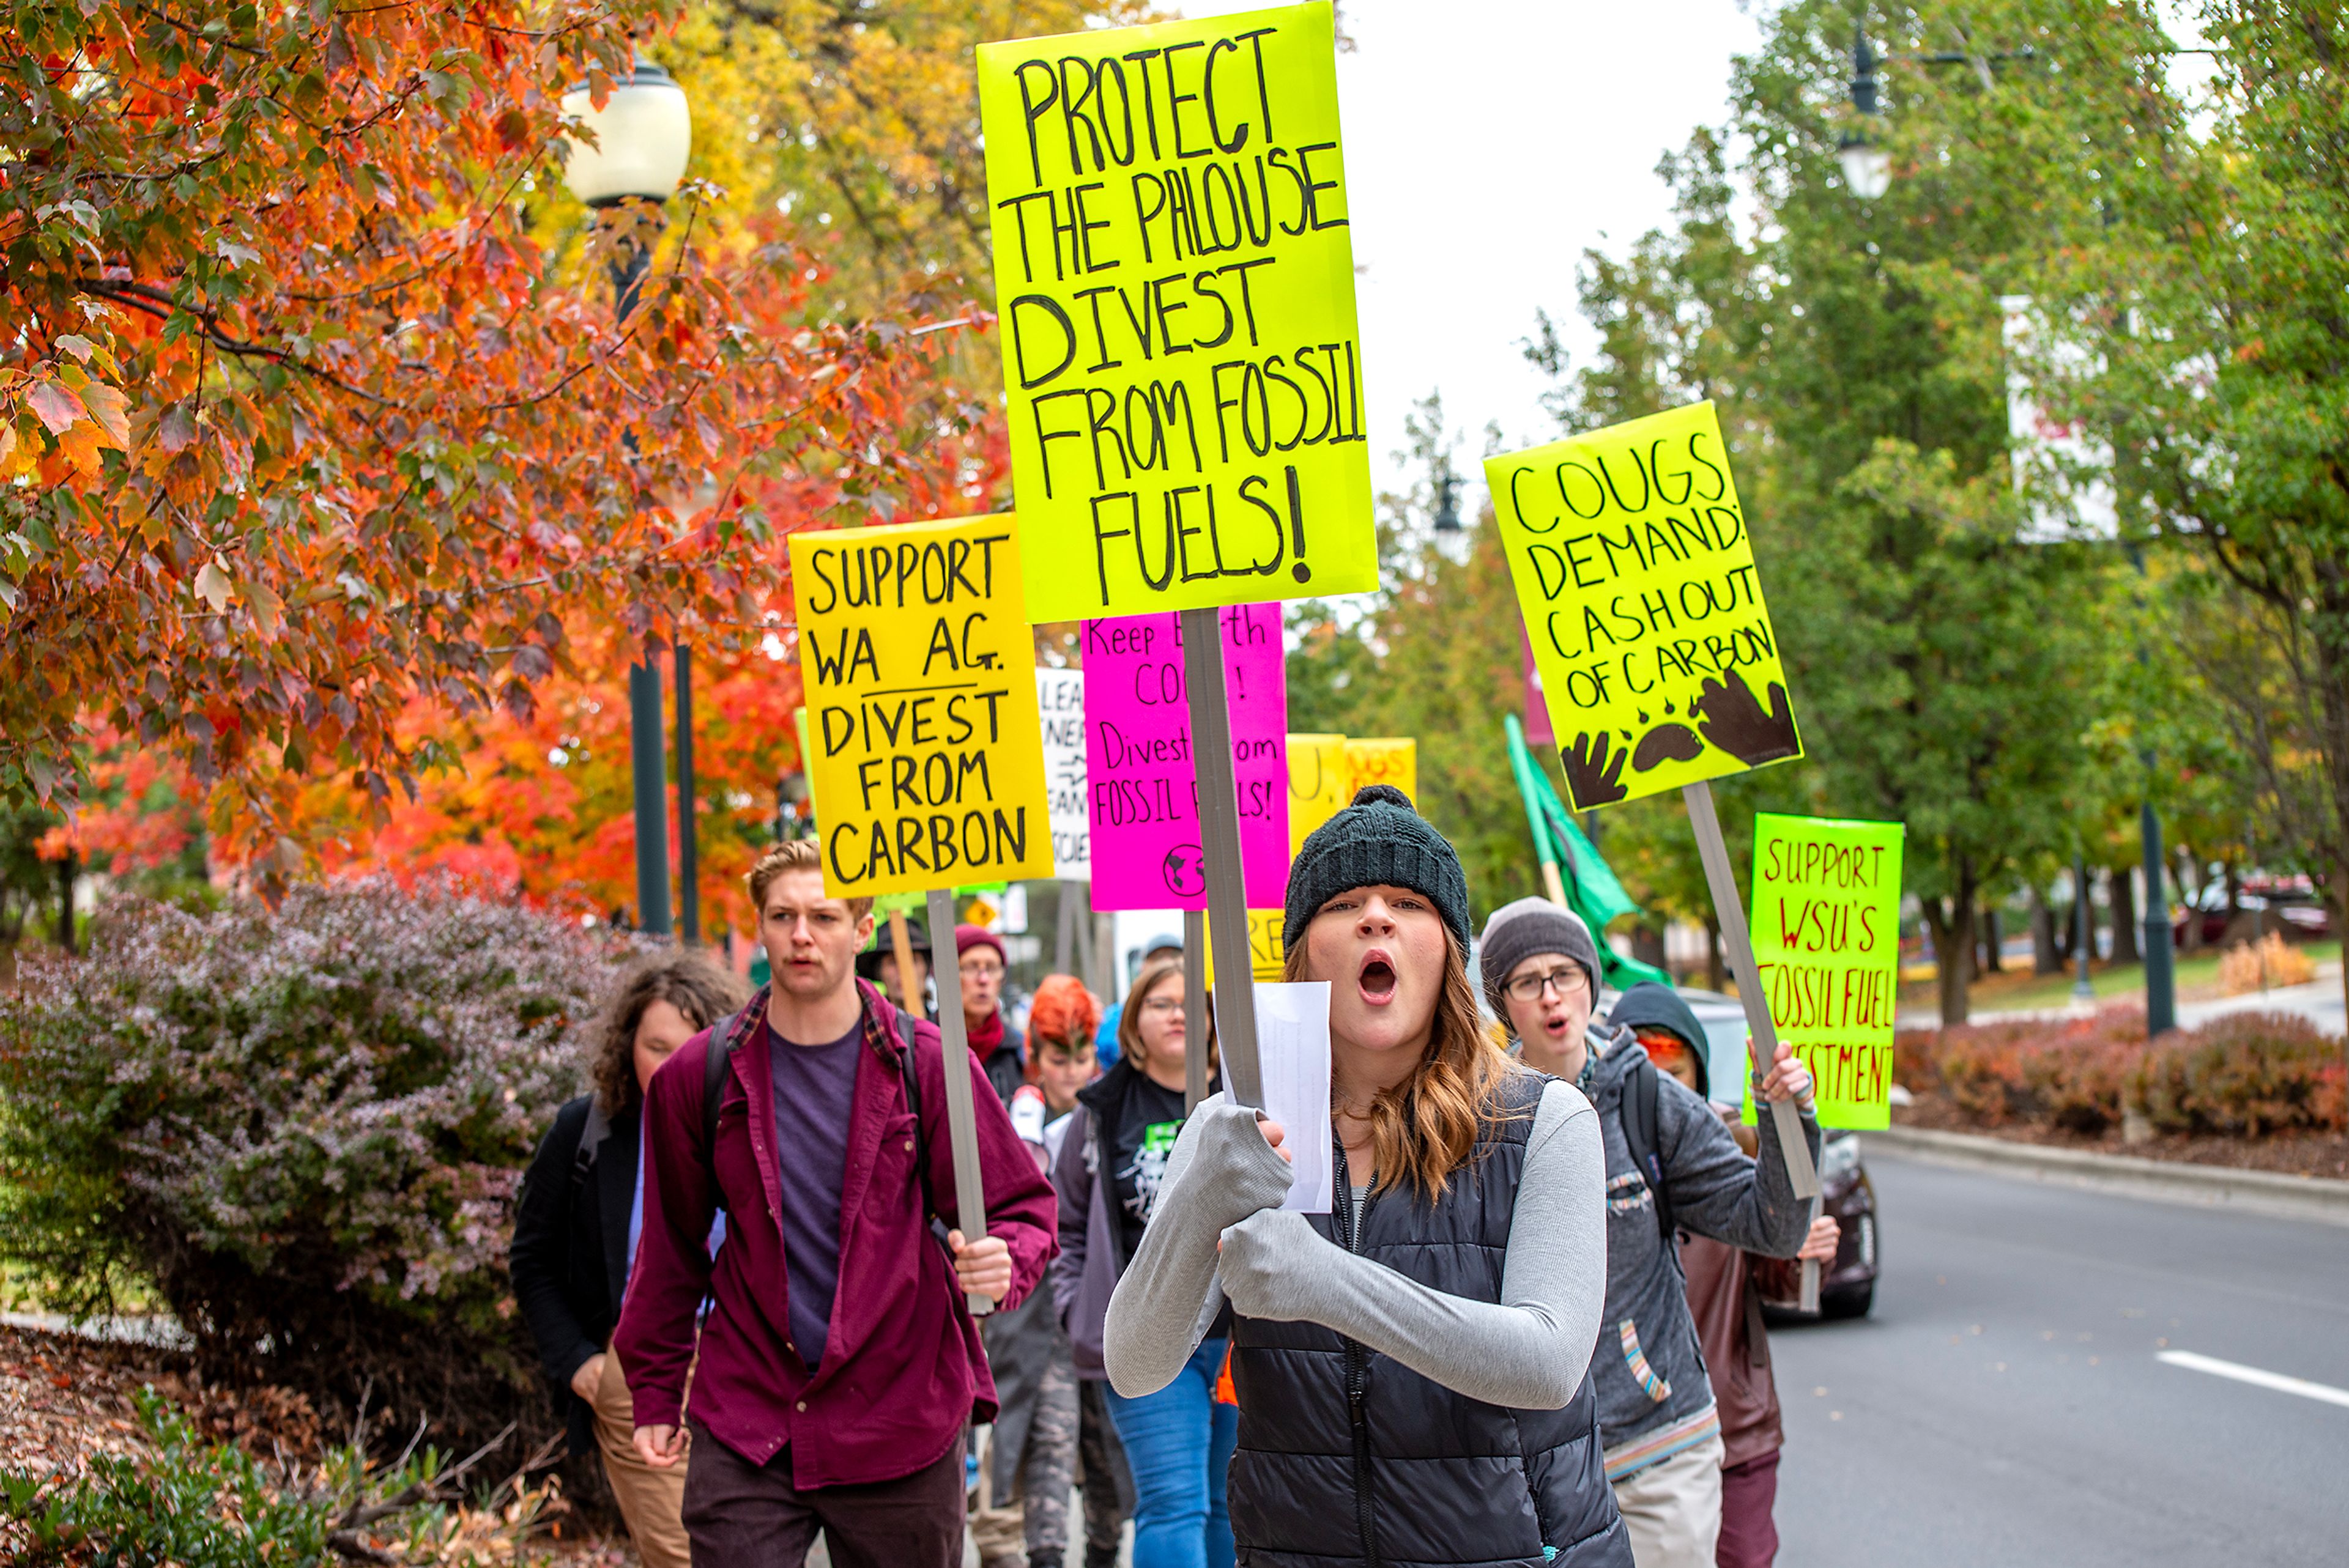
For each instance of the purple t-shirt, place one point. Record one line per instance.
(815, 1090)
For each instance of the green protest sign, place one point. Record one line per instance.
(1827, 938)
(1635, 572)
(1175, 275)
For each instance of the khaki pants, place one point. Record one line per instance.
(649, 1498)
(1672, 1509)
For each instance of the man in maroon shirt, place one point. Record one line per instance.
(837, 1366)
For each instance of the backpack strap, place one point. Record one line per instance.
(911, 1080)
(1643, 1131)
(598, 1127)
(714, 1066)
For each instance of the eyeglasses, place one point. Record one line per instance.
(983, 970)
(1163, 1006)
(1570, 980)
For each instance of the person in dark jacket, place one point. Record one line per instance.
(1411, 1369)
(1725, 1299)
(1109, 1177)
(1656, 1408)
(576, 1225)
(999, 1047)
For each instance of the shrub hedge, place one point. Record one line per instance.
(303, 1127)
(2244, 1075)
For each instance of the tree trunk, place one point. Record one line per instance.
(1992, 961)
(2123, 898)
(1714, 968)
(1648, 945)
(2046, 956)
(68, 869)
(1952, 923)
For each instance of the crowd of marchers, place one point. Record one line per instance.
(1528, 1332)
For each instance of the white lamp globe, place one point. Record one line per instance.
(1867, 169)
(646, 134)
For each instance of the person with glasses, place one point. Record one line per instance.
(1000, 1050)
(1110, 1175)
(1671, 1167)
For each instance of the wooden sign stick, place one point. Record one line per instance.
(962, 1112)
(1194, 1008)
(1219, 844)
(1729, 909)
(901, 942)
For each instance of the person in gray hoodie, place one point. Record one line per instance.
(1671, 1164)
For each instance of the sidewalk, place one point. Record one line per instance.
(2319, 1001)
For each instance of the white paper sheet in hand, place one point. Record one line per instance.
(1292, 1035)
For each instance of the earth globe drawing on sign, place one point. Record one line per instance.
(1184, 869)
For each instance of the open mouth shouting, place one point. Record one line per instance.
(1376, 978)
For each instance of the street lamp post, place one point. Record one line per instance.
(644, 134)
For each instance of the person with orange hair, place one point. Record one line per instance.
(1046, 1421)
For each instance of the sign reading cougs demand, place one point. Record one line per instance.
(1635, 572)
(1174, 271)
(928, 764)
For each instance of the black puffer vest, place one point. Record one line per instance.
(1347, 1456)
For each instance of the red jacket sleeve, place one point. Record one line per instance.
(655, 1338)
(1020, 1204)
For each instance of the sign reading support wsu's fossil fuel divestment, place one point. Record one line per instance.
(1175, 277)
(915, 652)
(1635, 572)
(1827, 938)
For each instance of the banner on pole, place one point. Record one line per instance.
(915, 654)
(1060, 706)
(1145, 827)
(1175, 276)
(1635, 572)
(1827, 939)
(1317, 784)
(1386, 761)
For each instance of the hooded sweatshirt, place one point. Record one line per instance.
(1654, 1399)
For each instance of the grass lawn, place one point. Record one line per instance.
(2016, 989)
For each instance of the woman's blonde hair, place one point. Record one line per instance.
(1426, 1127)
(1130, 1046)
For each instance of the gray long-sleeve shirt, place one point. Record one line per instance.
(1529, 1350)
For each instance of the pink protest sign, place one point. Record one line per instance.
(1138, 773)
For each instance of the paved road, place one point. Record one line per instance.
(2005, 1406)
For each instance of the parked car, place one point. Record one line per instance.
(1847, 1286)
(2297, 907)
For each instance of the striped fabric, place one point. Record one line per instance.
(1654, 1447)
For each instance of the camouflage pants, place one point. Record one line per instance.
(1038, 1508)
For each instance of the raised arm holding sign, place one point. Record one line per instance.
(1660, 667)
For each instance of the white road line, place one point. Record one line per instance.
(2255, 1377)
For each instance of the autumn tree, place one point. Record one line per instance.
(303, 426)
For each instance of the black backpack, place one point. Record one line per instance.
(722, 1042)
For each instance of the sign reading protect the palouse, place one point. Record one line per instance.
(1633, 567)
(927, 763)
(1175, 275)
(1827, 937)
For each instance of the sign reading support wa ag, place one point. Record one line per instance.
(1175, 277)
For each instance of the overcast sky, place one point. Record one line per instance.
(1488, 144)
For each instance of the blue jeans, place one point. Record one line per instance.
(1179, 1442)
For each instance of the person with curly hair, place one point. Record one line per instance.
(576, 1224)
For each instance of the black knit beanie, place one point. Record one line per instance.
(1378, 839)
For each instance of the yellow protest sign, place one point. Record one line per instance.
(1175, 275)
(1390, 760)
(1635, 572)
(928, 762)
(1266, 954)
(1317, 784)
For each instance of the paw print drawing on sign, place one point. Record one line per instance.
(1184, 869)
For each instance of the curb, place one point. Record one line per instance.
(2269, 1192)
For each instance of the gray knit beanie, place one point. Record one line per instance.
(1378, 839)
(1516, 932)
